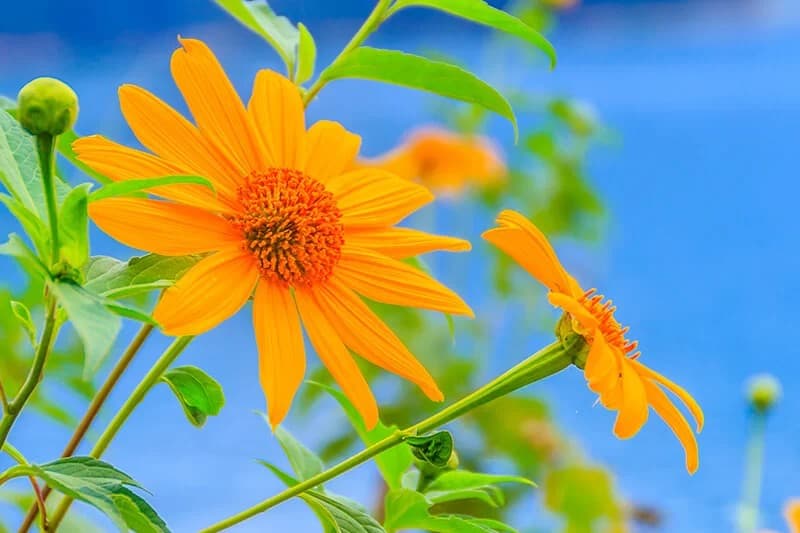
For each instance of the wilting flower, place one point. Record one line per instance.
(612, 369)
(444, 160)
(286, 223)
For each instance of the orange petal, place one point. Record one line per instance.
(211, 291)
(676, 422)
(331, 150)
(387, 280)
(634, 410)
(677, 390)
(400, 243)
(792, 514)
(278, 113)
(282, 359)
(163, 228)
(335, 356)
(217, 109)
(574, 308)
(164, 131)
(368, 336)
(527, 245)
(600, 363)
(401, 162)
(373, 198)
(121, 163)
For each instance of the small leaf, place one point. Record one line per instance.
(73, 227)
(199, 394)
(127, 311)
(305, 463)
(480, 12)
(128, 187)
(408, 509)
(464, 479)
(108, 276)
(417, 72)
(16, 247)
(434, 449)
(306, 55)
(133, 290)
(34, 226)
(22, 312)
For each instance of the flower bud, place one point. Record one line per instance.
(763, 391)
(47, 106)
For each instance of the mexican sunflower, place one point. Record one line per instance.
(612, 368)
(792, 514)
(287, 224)
(444, 160)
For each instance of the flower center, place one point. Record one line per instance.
(292, 226)
(612, 331)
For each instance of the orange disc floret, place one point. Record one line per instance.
(612, 331)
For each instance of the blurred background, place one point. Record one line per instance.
(678, 124)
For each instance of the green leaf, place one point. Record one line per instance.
(95, 325)
(306, 55)
(64, 146)
(19, 166)
(34, 226)
(464, 479)
(128, 187)
(108, 276)
(305, 463)
(133, 290)
(73, 227)
(199, 394)
(434, 449)
(417, 72)
(480, 12)
(392, 463)
(127, 311)
(259, 17)
(22, 313)
(16, 247)
(582, 495)
(408, 509)
(101, 485)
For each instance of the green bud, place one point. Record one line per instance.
(47, 106)
(763, 391)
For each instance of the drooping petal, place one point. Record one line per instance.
(634, 409)
(374, 198)
(387, 280)
(367, 335)
(400, 243)
(569, 304)
(676, 422)
(277, 111)
(330, 150)
(168, 134)
(162, 227)
(120, 163)
(677, 390)
(334, 355)
(281, 353)
(600, 362)
(215, 105)
(527, 245)
(211, 291)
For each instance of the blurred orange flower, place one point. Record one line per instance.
(444, 160)
(792, 514)
(287, 222)
(612, 369)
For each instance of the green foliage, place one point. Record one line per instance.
(417, 72)
(73, 227)
(16, 247)
(582, 496)
(19, 166)
(34, 227)
(408, 509)
(99, 484)
(114, 278)
(199, 394)
(306, 55)
(23, 314)
(435, 449)
(304, 462)
(131, 187)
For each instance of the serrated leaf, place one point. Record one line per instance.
(417, 72)
(199, 394)
(16, 247)
(305, 463)
(128, 187)
(34, 226)
(306, 55)
(107, 276)
(434, 449)
(64, 147)
(480, 12)
(73, 227)
(23, 314)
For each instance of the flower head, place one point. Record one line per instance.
(612, 368)
(792, 514)
(288, 224)
(444, 160)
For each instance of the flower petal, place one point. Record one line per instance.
(277, 111)
(367, 335)
(331, 150)
(217, 109)
(374, 198)
(676, 422)
(677, 390)
(281, 353)
(211, 291)
(162, 227)
(387, 280)
(527, 245)
(634, 410)
(334, 355)
(792, 514)
(120, 163)
(400, 243)
(569, 304)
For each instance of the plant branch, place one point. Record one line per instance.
(45, 146)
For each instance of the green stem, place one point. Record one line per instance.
(14, 453)
(546, 362)
(34, 374)
(148, 382)
(45, 146)
(374, 20)
(751, 491)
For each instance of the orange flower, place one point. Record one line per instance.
(444, 160)
(792, 514)
(612, 370)
(286, 223)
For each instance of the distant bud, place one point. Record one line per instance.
(47, 105)
(763, 391)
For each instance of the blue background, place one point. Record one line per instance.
(700, 254)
